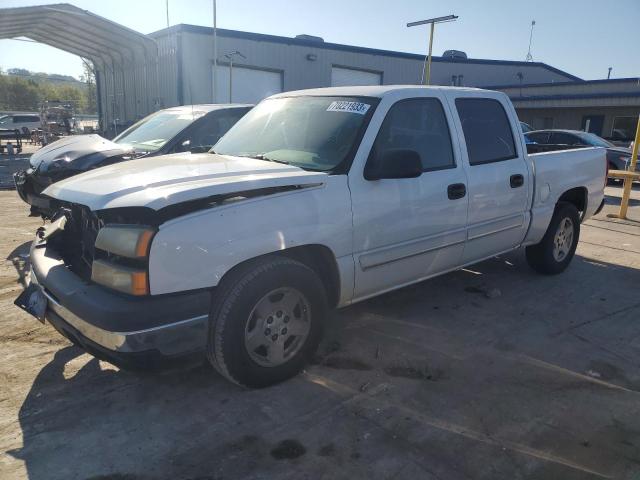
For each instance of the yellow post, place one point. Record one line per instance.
(628, 182)
(427, 77)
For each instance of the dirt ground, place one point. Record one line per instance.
(492, 372)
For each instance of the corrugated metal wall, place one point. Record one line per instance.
(131, 89)
(299, 72)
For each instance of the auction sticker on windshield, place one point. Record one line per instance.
(351, 107)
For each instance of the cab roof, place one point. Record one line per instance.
(367, 91)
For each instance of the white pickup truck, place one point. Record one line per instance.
(315, 199)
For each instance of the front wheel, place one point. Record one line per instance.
(266, 321)
(554, 253)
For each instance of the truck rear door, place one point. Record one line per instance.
(407, 229)
(497, 172)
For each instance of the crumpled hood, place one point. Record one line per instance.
(88, 149)
(157, 182)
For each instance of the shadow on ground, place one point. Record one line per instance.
(19, 258)
(486, 373)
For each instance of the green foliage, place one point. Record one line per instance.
(18, 93)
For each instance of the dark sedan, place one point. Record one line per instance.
(191, 128)
(618, 157)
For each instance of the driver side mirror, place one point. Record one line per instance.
(394, 163)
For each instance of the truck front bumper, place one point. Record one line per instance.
(130, 332)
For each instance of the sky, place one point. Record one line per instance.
(582, 37)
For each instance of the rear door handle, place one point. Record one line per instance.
(516, 181)
(456, 191)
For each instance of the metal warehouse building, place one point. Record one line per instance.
(272, 64)
(608, 108)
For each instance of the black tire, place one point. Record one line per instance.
(541, 257)
(234, 300)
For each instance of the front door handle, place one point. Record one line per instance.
(456, 191)
(516, 181)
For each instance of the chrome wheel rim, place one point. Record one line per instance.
(277, 327)
(563, 240)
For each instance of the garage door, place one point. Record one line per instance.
(250, 85)
(344, 77)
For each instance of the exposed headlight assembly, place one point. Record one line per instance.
(124, 240)
(131, 242)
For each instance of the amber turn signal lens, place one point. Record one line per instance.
(118, 277)
(144, 242)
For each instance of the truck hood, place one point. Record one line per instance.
(157, 182)
(86, 149)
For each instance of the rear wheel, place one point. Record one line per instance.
(266, 321)
(554, 253)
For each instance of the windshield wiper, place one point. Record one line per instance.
(265, 157)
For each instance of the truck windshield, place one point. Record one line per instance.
(314, 133)
(153, 132)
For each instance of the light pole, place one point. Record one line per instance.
(426, 73)
(229, 56)
(529, 57)
(215, 51)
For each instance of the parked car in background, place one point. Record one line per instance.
(618, 158)
(315, 199)
(20, 121)
(525, 127)
(190, 128)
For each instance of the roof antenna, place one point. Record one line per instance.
(529, 57)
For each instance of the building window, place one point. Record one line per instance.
(457, 80)
(624, 128)
(547, 123)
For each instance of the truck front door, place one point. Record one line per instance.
(411, 228)
(498, 176)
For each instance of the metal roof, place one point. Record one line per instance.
(77, 31)
(603, 81)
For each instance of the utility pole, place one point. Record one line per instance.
(215, 52)
(529, 57)
(167, 9)
(230, 56)
(426, 72)
(609, 74)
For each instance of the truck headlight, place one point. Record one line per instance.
(125, 240)
(128, 273)
(119, 277)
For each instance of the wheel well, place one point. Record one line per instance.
(317, 257)
(576, 196)
(322, 261)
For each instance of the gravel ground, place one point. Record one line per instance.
(490, 372)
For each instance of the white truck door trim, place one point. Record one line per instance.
(411, 248)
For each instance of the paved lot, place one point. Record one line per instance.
(492, 372)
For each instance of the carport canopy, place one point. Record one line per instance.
(79, 32)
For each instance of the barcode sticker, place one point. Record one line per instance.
(351, 107)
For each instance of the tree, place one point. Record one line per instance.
(20, 93)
